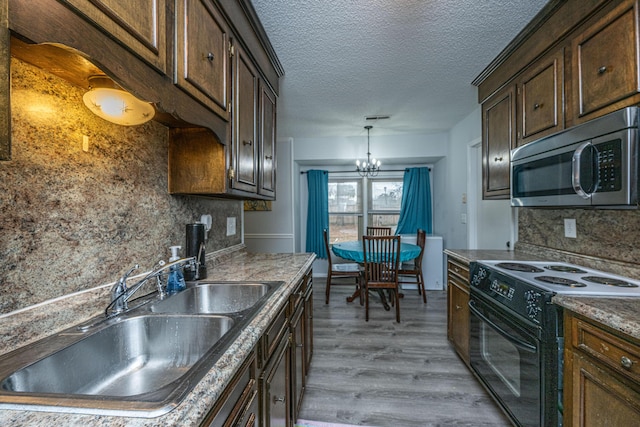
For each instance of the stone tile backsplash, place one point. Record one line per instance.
(73, 220)
(607, 239)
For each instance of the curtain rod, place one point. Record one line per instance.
(354, 171)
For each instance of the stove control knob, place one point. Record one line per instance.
(533, 303)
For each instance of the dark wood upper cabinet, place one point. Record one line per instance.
(540, 99)
(605, 62)
(498, 137)
(267, 162)
(202, 54)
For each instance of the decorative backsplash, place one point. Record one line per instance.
(607, 237)
(74, 219)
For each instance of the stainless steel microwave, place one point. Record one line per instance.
(594, 164)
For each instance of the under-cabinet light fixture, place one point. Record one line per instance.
(107, 100)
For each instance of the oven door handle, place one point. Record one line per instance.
(518, 343)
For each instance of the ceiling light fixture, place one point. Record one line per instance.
(370, 167)
(107, 100)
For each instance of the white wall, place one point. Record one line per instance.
(453, 185)
(273, 231)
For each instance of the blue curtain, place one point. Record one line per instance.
(415, 210)
(318, 211)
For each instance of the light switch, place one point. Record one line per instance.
(231, 226)
(570, 228)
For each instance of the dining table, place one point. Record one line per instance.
(352, 250)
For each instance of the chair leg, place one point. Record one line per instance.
(327, 290)
(397, 306)
(366, 304)
(421, 287)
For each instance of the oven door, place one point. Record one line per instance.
(507, 359)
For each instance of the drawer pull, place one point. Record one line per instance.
(626, 362)
(277, 399)
(536, 106)
(458, 307)
(602, 70)
(210, 56)
(498, 159)
(247, 143)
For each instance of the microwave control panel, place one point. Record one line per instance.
(609, 166)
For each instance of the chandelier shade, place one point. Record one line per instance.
(369, 167)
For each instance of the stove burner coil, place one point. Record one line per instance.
(560, 281)
(564, 268)
(518, 266)
(609, 281)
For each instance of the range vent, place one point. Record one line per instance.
(376, 117)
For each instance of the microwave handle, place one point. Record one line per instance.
(575, 170)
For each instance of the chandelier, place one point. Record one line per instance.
(370, 167)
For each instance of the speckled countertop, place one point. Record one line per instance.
(469, 255)
(621, 314)
(27, 326)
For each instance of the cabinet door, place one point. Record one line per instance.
(458, 310)
(308, 326)
(267, 141)
(601, 398)
(498, 137)
(245, 101)
(202, 54)
(540, 97)
(297, 359)
(140, 25)
(605, 61)
(276, 389)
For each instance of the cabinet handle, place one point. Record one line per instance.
(268, 157)
(602, 70)
(210, 56)
(299, 345)
(277, 399)
(498, 159)
(247, 142)
(536, 106)
(458, 307)
(626, 362)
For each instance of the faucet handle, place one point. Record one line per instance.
(123, 279)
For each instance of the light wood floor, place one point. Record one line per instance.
(381, 373)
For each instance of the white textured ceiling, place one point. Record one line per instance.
(411, 59)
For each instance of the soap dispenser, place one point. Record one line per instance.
(175, 283)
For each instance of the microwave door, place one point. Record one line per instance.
(546, 179)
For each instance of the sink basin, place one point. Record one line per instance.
(141, 358)
(141, 363)
(138, 355)
(210, 297)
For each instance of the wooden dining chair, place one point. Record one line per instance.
(414, 267)
(339, 269)
(378, 231)
(381, 261)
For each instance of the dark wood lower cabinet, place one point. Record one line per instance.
(601, 375)
(238, 405)
(267, 391)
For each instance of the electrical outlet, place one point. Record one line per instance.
(570, 228)
(231, 226)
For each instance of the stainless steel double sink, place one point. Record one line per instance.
(140, 363)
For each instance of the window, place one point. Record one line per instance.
(345, 209)
(385, 198)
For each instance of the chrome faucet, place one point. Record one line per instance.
(120, 294)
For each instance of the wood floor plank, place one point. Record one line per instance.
(381, 373)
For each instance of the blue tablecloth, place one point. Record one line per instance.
(352, 250)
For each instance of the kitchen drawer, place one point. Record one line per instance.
(273, 335)
(615, 352)
(459, 269)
